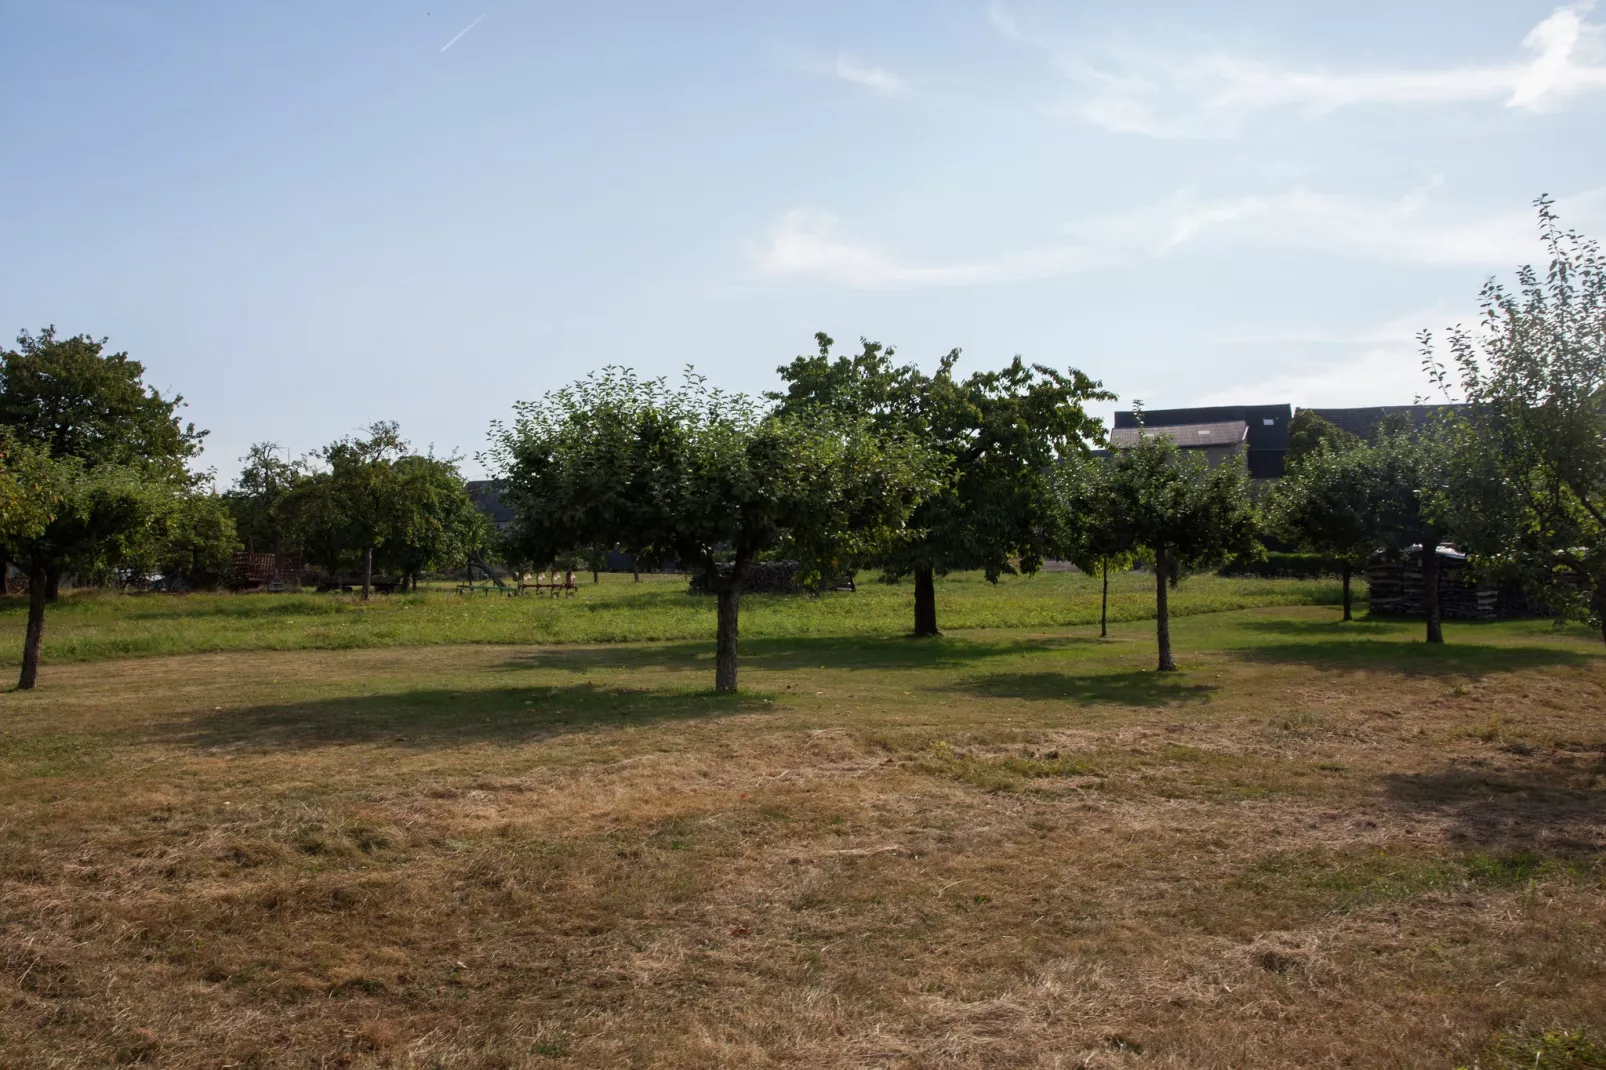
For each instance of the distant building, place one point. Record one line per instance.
(1364, 422)
(487, 497)
(1259, 432)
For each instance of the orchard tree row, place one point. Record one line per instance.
(858, 462)
(864, 463)
(95, 481)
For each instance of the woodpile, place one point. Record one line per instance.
(1395, 588)
(272, 571)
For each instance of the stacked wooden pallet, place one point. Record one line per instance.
(1395, 587)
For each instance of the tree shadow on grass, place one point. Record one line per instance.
(433, 718)
(1114, 689)
(787, 654)
(1414, 658)
(1553, 806)
(1333, 628)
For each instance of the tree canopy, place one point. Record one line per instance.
(997, 434)
(106, 456)
(74, 399)
(705, 478)
(1169, 502)
(1329, 502)
(1411, 470)
(1528, 475)
(359, 501)
(1086, 529)
(257, 495)
(1307, 431)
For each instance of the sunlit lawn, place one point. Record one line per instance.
(1319, 845)
(92, 626)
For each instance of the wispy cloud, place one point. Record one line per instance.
(1355, 368)
(1414, 228)
(461, 32)
(1149, 91)
(1005, 23)
(810, 244)
(882, 81)
(1360, 376)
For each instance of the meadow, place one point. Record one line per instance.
(90, 626)
(1318, 845)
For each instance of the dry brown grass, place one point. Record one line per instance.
(1008, 850)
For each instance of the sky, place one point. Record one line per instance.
(306, 217)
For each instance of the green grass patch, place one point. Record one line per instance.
(1562, 1049)
(90, 626)
(52, 754)
(1170, 771)
(1339, 881)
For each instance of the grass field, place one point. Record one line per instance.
(93, 626)
(1319, 845)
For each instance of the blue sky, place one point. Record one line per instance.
(306, 217)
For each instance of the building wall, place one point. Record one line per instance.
(1268, 430)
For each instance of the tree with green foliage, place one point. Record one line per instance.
(108, 454)
(107, 511)
(1086, 530)
(1000, 435)
(1411, 470)
(255, 498)
(349, 505)
(71, 397)
(436, 522)
(32, 490)
(194, 541)
(1330, 502)
(1307, 431)
(1171, 503)
(702, 477)
(1528, 472)
(369, 499)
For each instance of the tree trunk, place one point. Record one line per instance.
(635, 572)
(1162, 621)
(1347, 615)
(730, 598)
(1430, 589)
(35, 637)
(1104, 603)
(367, 571)
(595, 577)
(52, 583)
(925, 603)
(5, 575)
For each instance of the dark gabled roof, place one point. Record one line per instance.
(1363, 422)
(1268, 424)
(1186, 436)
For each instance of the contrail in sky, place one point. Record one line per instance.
(461, 32)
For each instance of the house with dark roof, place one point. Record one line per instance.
(1259, 432)
(487, 497)
(1364, 422)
